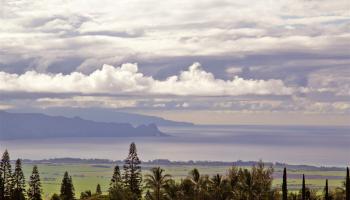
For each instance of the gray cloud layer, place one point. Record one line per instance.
(295, 50)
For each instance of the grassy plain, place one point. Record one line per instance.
(87, 176)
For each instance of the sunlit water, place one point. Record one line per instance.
(291, 144)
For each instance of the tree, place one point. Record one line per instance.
(116, 190)
(18, 182)
(116, 180)
(303, 189)
(172, 190)
(85, 195)
(157, 181)
(34, 191)
(338, 194)
(246, 185)
(284, 185)
(233, 178)
(132, 172)
(262, 178)
(67, 188)
(1, 187)
(6, 174)
(120, 193)
(326, 195)
(200, 185)
(98, 189)
(195, 178)
(219, 187)
(55, 197)
(347, 185)
(148, 196)
(186, 190)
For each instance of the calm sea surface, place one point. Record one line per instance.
(292, 144)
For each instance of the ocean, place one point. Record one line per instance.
(314, 145)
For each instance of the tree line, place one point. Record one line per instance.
(129, 184)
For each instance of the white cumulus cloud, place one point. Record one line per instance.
(126, 79)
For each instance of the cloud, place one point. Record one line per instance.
(85, 102)
(126, 79)
(196, 81)
(336, 81)
(33, 30)
(183, 105)
(286, 56)
(5, 106)
(233, 70)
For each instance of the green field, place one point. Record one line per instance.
(87, 176)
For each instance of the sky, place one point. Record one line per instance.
(223, 61)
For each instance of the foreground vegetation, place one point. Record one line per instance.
(87, 176)
(129, 184)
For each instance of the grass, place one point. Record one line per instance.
(86, 176)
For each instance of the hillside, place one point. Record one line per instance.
(33, 125)
(108, 115)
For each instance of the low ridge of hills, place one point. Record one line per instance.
(35, 125)
(107, 115)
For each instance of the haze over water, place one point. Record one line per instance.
(290, 144)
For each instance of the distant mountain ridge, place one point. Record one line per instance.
(109, 115)
(35, 125)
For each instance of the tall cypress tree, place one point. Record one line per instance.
(67, 188)
(98, 189)
(34, 190)
(284, 185)
(6, 173)
(326, 195)
(347, 185)
(132, 172)
(303, 189)
(18, 182)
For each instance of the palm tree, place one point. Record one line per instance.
(195, 176)
(195, 179)
(233, 179)
(172, 190)
(246, 185)
(186, 190)
(156, 181)
(220, 187)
